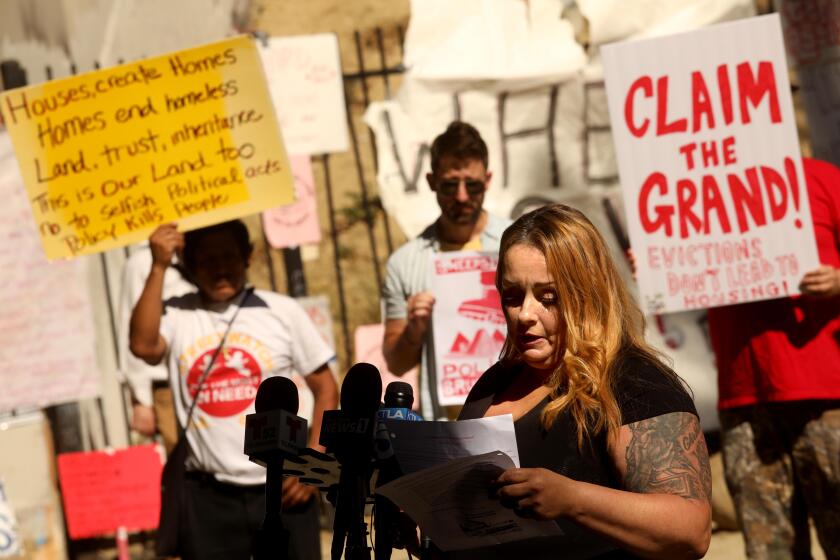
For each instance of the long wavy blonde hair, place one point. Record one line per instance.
(602, 322)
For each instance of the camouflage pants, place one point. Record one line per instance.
(782, 464)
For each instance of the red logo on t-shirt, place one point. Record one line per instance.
(231, 385)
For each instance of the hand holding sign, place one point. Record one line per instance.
(419, 314)
(822, 282)
(164, 242)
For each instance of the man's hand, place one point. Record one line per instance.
(418, 314)
(143, 419)
(403, 339)
(822, 282)
(164, 242)
(296, 494)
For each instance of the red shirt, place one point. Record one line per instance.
(786, 349)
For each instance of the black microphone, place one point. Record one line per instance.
(273, 433)
(348, 434)
(399, 397)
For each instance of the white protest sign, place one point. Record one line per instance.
(9, 538)
(710, 167)
(305, 84)
(47, 356)
(468, 323)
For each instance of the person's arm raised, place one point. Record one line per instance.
(403, 340)
(145, 340)
(663, 510)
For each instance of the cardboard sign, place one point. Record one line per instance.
(48, 355)
(710, 167)
(104, 491)
(109, 155)
(304, 77)
(297, 223)
(468, 322)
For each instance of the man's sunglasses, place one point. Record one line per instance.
(450, 187)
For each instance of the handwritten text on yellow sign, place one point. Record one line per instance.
(188, 137)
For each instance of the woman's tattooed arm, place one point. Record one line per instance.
(667, 454)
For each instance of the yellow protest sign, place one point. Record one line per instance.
(109, 155)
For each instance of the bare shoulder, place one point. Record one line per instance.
(664, 455)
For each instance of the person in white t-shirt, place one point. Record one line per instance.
(270, 334)
(460, 179)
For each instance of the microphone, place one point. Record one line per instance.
(397, 406)
(273, 433)
(348, 434)
(399, 397)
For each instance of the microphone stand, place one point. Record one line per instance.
(350, 515)
(348, 433)
(271, 541)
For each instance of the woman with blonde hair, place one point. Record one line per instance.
(609, 440)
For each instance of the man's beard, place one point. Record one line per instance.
(457, 215)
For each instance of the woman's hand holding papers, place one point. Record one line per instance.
(538, 493)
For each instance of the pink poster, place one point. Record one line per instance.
(469, 326)
(368, 341)
(297, 223)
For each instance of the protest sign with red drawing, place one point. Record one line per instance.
(468, 323)
(710, 165)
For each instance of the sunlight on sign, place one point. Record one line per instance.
(188, 137)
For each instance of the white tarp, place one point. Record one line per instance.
(504, 43)
(546, 163)
(614, 20)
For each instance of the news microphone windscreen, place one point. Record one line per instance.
(361, 390)
(277, 393)
(399, 394)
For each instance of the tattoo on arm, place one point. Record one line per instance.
(667, 454)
